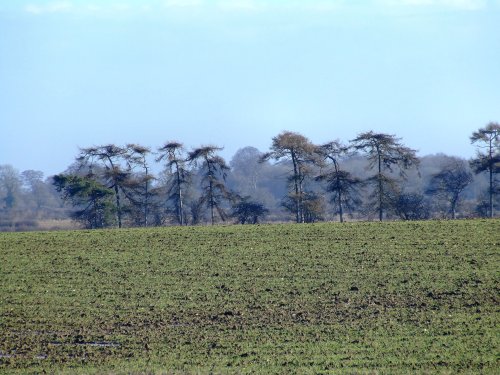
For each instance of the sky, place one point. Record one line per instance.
(237, 73)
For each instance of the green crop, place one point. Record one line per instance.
(403, 297)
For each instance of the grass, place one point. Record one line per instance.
(399, 297)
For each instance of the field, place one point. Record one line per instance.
(349, 298)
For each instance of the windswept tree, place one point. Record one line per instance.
(299, 150)
(343, 186)
(384, 152)
(90, 198)
(173, 153)
(116, 176)
(214, 172)
(450, 182)
(140, 184)
(488, 158)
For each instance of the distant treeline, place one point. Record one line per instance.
(374, 176)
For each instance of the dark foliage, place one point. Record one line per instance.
(248, 212)
(384, 153)
(90, 198)
(488, 159)
(214, 172)
(449, 183)
(411, 206)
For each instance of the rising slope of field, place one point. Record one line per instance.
(325, 298)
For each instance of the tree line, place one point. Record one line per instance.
(372, 176)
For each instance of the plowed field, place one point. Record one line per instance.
(405, 297)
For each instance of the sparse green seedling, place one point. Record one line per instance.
(405, 297)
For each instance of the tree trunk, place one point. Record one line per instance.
(296, 183)
(301, 203)
(94, 213)
(117, 193)
(118, 206)
(454, 207)
(179, 194)
(491, 191)
(491, 178)
(211, 199)
(339, 191)
(380, 192)
(146, 201)
(340, 208)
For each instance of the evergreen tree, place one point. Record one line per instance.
(489, 159)
(300, 151)
(89, 197)
(384, 152)
(173, 153)
(214, 172)
(117, 177)
(449, 183)
(343, 186)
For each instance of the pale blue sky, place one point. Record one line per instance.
(236, 73)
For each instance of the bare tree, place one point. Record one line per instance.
(300, 151)
(10, 187)
(488, 160)
(384, 152)
(245, 167)
(33, 180)
(449, 183)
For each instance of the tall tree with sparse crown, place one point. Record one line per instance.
(301, 152)
(173, 153)
(137, 155)
(342, 184)
(489, 161)
(215, 169)
(384, 151)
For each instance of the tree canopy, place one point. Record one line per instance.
(373, 174)
(214, 173)
(300, 151)
(488, 157)
(384, 152)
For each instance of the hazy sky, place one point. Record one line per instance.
(236, 73)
